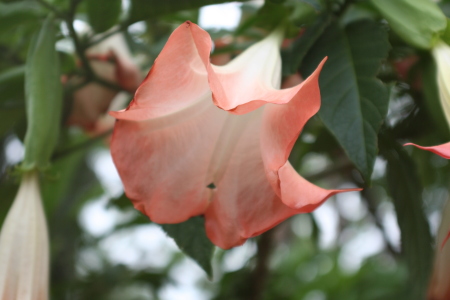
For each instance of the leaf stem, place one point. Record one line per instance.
(50, 7)
(80, 146)
(103, 36)
(260, 273)
(76, 41)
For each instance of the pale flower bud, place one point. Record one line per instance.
(441, 55)
(24, 246)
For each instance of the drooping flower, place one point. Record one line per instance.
(200, 139)
(111, 60)
(439, 288)
(440, 279)
(24, 246)
(441, 54)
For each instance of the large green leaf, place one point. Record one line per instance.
(18, 13)
(11, 86)
(103, 14)
(406, 192)
(354, 102)
(146, 9)
(191, 238)
(12, 108)
(299, 48)
(418, 22)
(43, 94)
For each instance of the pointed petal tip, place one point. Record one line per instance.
(349, 190)
(444, 242)
(116, 114)
(442, 150)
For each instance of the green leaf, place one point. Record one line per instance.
(12, 108)
(354, 102)
(17, 13)
(146, 9)
(418, 22)
(406, 191)
(11, 86)
(300, 47)
(103, 14)
(191, 238)
(43, 95)
(445, 36)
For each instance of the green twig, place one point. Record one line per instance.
(261, 272)
(80, 146)
(101, 37)
(50, 7)
(76, 41)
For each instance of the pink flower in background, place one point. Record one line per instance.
(112, 61)
(200, 139)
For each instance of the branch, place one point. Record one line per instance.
(259, 275)
(81, 51)
(372, 208)
(50, 7)
(337, 168)
(78, 46)
(80, 146)
(103, 36)
(108, 84)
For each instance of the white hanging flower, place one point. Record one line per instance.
(441, 53)
(24, 246)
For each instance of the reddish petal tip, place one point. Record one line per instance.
(445, 240)
(442, 150)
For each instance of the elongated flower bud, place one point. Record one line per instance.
(24, 246)
(441, 54)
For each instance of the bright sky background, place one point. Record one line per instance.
(220, 16)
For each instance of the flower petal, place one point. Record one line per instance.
(259, 66)
(442, 150)
(163, 162)
(300, 194)
(177, 79)
(282, 124)
(24, 251)
(244, 204)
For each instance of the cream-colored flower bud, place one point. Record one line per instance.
(441, 53)
(24, 246)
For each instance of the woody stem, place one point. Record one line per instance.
(260, 273)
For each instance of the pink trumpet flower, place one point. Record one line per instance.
(24, 246)
(440, 279)
(200, 139)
